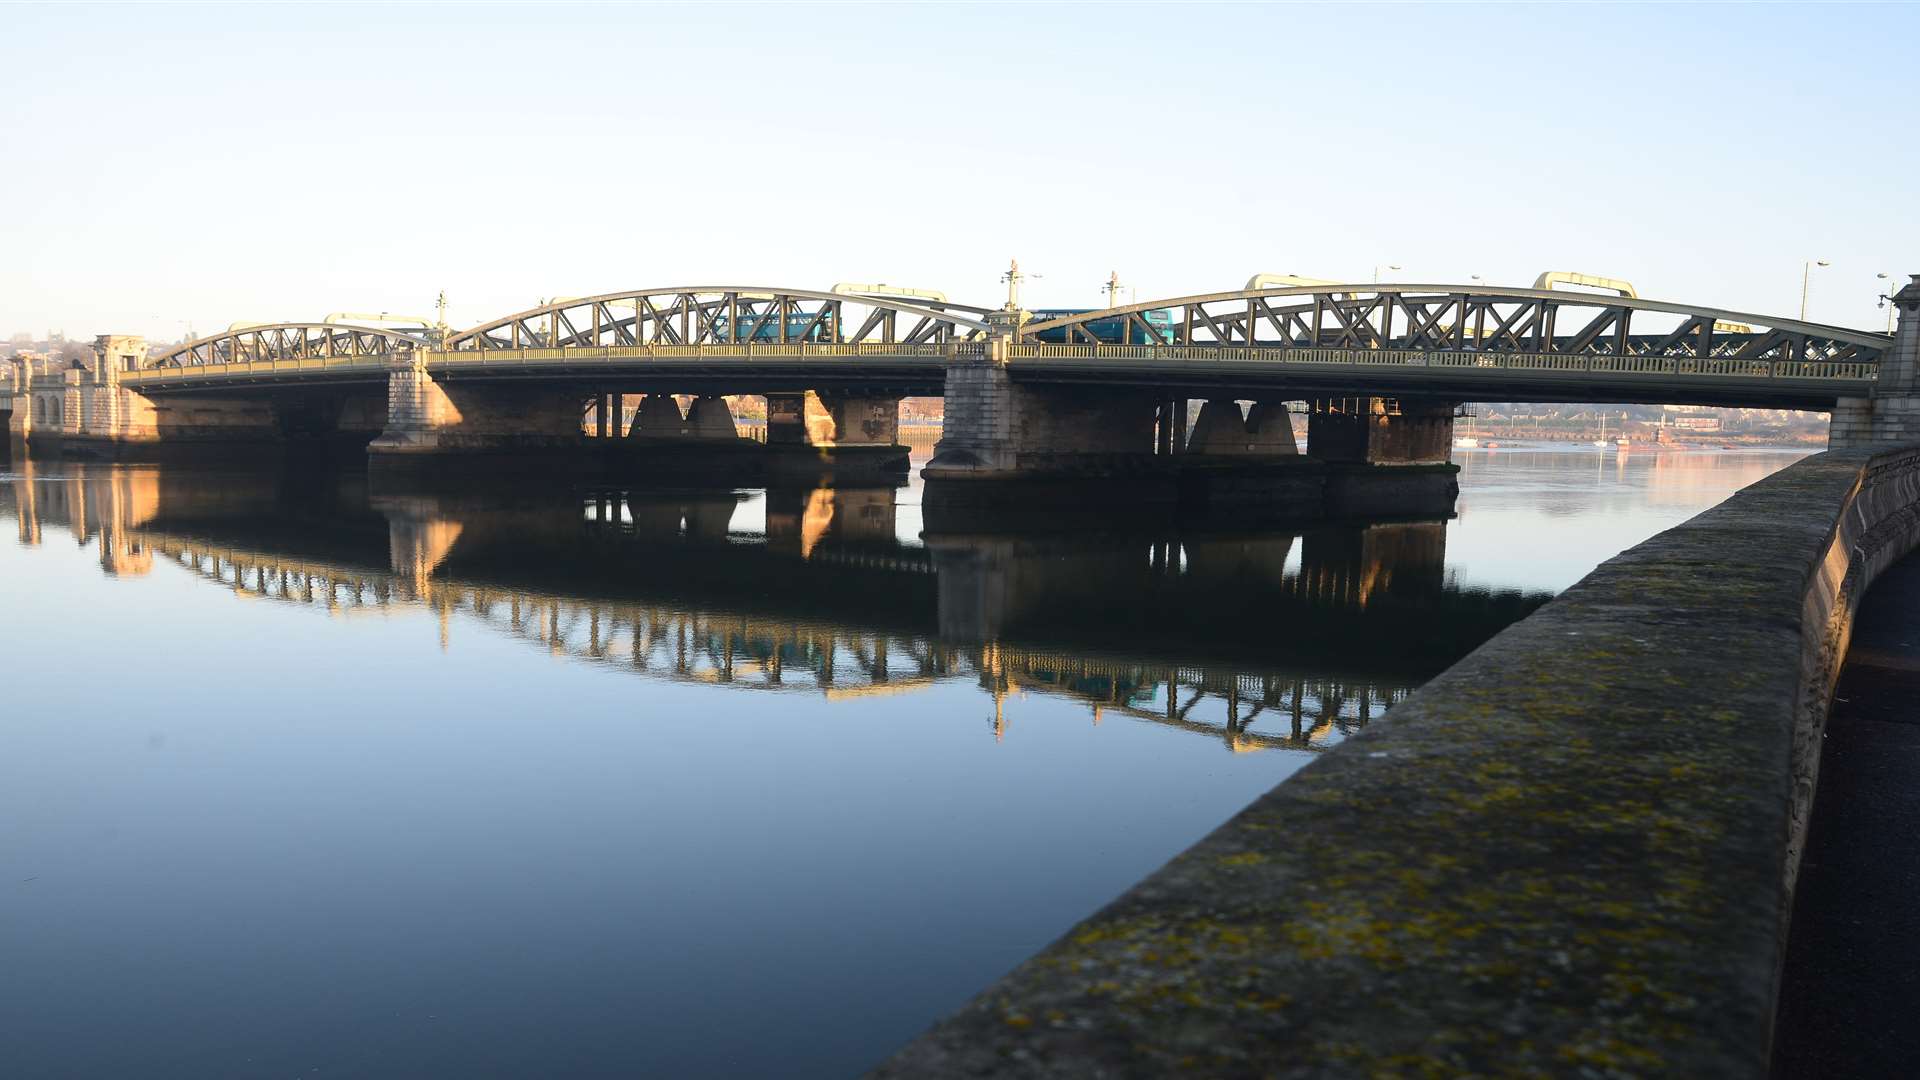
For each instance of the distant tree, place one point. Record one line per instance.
(65, 353)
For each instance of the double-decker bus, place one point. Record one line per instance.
(1110, 331)
(764, 329)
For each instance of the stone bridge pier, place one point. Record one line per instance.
(1891, 416)
(833, 418)
(1052, 445)
(1380, 431)
(426, 415)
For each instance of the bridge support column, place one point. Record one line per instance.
(1380, 431)
(19, 395)
(797, 420)
(1892, 415)
(602, 415)
(108, 409)
(863, 420)
(418, 408)
(977, 436)
(998, 429)
(658, 417)
(1265, 431)
(711, 418)
(426, 416)
(73, 409)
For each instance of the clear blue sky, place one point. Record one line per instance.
(167, 165)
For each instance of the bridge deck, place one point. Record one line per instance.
(1201, 370)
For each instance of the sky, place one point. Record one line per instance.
(176, 167)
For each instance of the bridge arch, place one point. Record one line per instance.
(259, 342)
(726, 315)
(1466, 318)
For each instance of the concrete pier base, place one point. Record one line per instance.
(658, 417)
(1265, 430)
(1145, 489)
(1380, 431)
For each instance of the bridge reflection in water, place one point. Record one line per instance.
(1273, 640)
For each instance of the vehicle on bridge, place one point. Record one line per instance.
(802, 326)
(1117, 329)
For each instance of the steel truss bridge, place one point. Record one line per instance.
(1445, 340)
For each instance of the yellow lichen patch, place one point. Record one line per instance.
(1609, 1052)
(1245, 858)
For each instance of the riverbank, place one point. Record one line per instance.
(1575, 849)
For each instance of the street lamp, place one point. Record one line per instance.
(1884, 302)
(1806, 271)
(1376, 271)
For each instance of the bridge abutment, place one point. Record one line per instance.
(92, 413)
(1891, 416)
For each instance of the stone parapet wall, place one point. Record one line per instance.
(1573, 853)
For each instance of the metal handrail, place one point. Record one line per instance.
(590, 354)
(1864, 371)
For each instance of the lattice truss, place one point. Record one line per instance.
(288, 341)
(1429, 317)
(725, 315)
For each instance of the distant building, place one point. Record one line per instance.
(1697, 423)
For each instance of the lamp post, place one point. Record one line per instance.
(1886, 302)
(1806, 272)
(1376, 271)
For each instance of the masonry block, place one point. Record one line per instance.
(1380, 431)
(862, 419)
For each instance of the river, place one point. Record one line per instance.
(301, 778)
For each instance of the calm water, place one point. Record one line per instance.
(302, 779)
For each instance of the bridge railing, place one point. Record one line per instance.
(1828, 370)
(187, 374)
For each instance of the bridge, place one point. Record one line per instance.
(1379, 369)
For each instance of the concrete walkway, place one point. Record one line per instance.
(1850, 996)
